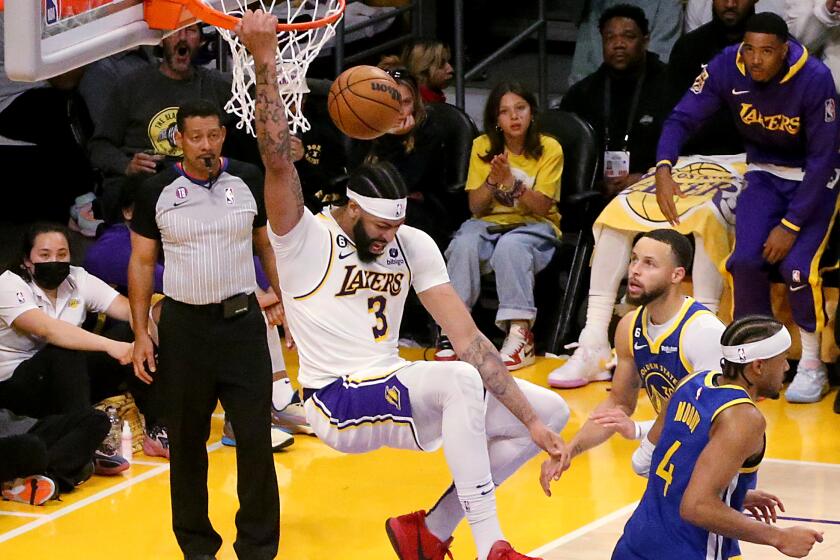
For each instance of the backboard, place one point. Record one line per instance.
(45, 38)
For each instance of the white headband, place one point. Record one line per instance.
(385, 208)
(758, 350)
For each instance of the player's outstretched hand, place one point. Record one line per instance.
(258, 32)
(762, 505)
(616, 420)
(666, 190)
(552, 469)
(547, 440)
(797, 541)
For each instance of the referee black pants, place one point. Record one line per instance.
(204, 358)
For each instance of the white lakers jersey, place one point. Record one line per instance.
(345, 314)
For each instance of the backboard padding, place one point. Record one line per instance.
(38, 46)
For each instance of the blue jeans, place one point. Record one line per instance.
(515, 256)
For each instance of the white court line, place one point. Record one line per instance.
(806, 463)
(22, 514)
(48, 518)
(579, 532)
(146, 463)
(568, 537)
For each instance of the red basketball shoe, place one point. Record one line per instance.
(413, 541)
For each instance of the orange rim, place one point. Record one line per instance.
(166, 14)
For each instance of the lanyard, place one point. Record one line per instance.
(631, 114)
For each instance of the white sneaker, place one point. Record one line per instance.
(444, 351)
(292, 418)
(518, 349)
(280, 439)
(587, 364)
(810, 384)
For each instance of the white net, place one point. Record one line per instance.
(295, 52)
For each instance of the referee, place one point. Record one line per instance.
(208, 215)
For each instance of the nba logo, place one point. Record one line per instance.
(51, 11)
(797, 276)
(742, 355)
(399, 209)
(229, 196)
(830, 113)
(20, 297)
(181, 193)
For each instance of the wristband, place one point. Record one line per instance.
(642, 428)
(641, 458)
(664, 163)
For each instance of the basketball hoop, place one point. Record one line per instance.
(305, 27)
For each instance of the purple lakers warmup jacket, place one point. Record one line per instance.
(790, 121)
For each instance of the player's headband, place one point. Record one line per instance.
(385, 208)
(758, 350)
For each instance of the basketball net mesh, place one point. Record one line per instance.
(295, 52)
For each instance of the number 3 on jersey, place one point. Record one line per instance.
(376, 305)
(665, 469)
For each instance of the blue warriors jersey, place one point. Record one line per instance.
(661, 363)
(656, 531)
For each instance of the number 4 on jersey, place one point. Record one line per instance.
(665, 470)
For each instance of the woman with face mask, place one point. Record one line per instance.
(43, 301)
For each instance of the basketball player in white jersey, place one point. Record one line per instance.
(345, 275)
(668, 337)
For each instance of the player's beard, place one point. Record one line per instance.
(363, 242)
(646, 296)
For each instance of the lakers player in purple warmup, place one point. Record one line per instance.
(785, 107)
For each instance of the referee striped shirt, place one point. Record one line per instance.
(205, 230)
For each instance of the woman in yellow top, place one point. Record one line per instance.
(513, 187)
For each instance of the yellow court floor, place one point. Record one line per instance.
(334, 506)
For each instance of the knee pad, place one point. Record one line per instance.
(468, 388)
(560, 416)
(550, 407)
(467, 381)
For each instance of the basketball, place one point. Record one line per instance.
(364, 102)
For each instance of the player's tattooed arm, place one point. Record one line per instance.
(497, 379)
(283, 193)
(472, 347)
